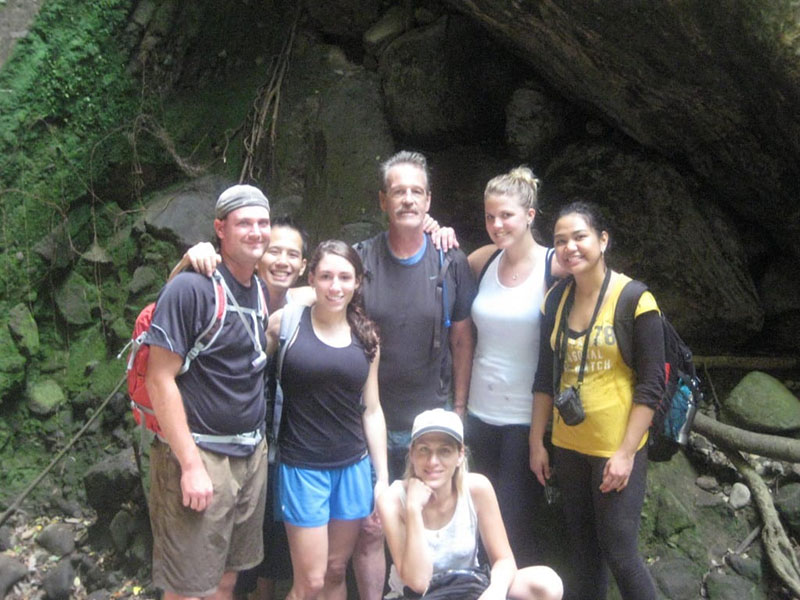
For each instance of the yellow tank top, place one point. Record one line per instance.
(607, 390)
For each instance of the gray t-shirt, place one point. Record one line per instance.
(415, 370)
(222, 392)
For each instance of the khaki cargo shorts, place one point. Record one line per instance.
(191, 549)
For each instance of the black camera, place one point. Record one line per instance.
(570, 407)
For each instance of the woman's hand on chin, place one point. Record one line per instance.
(417, 493)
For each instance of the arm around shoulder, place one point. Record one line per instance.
(480, 257)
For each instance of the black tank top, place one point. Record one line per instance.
(322, 386)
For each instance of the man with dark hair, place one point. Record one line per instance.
(420, 298)
(209, 467)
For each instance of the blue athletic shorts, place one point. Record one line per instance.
(312, 497)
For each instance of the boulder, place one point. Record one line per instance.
(677, 577)
(55, 247)
(344, 18)
(75, 299)
(187, 211)
(12, 364)
(730, 586)
(23, 329)
(144, 278)
(429, 77)
(759, 402)
(390, 25)
(739, 496)
(787, 502)
(654, 213)
(121, 528)
(57, 583)
(713, 85)
(11, 571)
(44, 396)
(57, 539)
(111, 483)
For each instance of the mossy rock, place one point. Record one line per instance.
(24, 330)
(760, 402)
(44, 397)
(75, 299)
(12, 364)
(87, 355)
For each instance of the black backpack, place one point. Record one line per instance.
(676, 409)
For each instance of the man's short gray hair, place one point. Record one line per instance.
(405, 157)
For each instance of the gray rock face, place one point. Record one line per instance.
(533, 121)
(780, 295)
(701, 281)
(437, 102)
(678, 80)
(334, 136)
(760, 402)
(23, 329)
(57, 539)
(45, 396)
(11, 571)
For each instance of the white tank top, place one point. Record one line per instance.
(454, 546)
(507, 352)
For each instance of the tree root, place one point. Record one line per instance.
(266, 107)
(771, 446)
(776, 543)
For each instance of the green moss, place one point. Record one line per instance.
(86, 354)
(64, 90)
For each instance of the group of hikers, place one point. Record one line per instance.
(406, 361)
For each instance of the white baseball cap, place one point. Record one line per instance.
(440, 421)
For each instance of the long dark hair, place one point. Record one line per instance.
(362, 326)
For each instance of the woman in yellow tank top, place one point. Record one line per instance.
(601, 456)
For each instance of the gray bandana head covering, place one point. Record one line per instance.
(238, 196)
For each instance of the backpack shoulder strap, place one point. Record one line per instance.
(553, 307)
(442, 298)
(494, 255)
(549, 280)
(290, 322)
(624, 314)
(210, 333)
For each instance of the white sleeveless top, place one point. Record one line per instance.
(454, 546)
(507, 352)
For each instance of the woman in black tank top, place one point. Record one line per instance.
(332, 416)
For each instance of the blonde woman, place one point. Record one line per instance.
(432, 519)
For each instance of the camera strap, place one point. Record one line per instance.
(563, 335)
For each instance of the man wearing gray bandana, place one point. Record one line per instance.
(208, 464)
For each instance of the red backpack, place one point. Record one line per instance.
(141, 406)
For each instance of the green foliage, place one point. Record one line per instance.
(65, 89)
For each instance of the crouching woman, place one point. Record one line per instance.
(432, 519)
